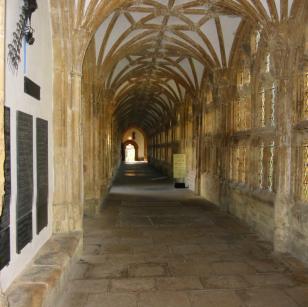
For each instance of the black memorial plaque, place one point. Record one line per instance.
(32, 89)
(5, 217)
(42, 173)
(24, 179)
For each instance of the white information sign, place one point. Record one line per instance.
(179, 166)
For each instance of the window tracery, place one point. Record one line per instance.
(265, 107)
(241, 114)
(304, 108)
(239, 163)
(303, 193)
(255, 41)
(266, 157)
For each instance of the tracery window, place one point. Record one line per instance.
(210, 122)
(255, 41)
(306, 95)
(239, 163)
(268, 63)
(189, 130)
(162, 137)
(304, 112)
(266, 155)
(265, 108)
(243, 77)
(241, 114)
(303, 191)
(169, 134)
(178, 132)
(261, 109)
(162, 153)
(169, 154)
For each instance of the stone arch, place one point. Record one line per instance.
(145, 138)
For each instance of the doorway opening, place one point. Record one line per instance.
(136, 137)
(130, 153)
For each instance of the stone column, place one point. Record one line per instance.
(283, 196)
(225, 80)
(283, 57)
(75, 147)
(198, 143)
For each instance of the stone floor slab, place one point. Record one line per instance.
(163, 298)
(215, 299)
(179, 283)
(89, 286)
(132, 284)
(111, 300)
(106, 270)
(270, 280)
(148, 270)
(267, 298)
(299, 295)
(225, 282)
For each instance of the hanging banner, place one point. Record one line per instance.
(179, 166)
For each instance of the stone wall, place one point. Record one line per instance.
(73, 30)
(101, 147)
(245, 134)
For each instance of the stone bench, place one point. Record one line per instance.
(42, 281)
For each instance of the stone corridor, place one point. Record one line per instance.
(154, 246)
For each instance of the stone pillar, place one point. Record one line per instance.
(75, 147)
(283, 56)
(198, 143)
(225, 80)
(283, 196)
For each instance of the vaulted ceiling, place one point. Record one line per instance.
(150, 54)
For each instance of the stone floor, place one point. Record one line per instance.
(155, 246)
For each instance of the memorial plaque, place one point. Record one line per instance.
(42, 173)
(179, 166)
(24, 179)
(32, 89)
(5, 217)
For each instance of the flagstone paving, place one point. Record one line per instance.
(156, 246)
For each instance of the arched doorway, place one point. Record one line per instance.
(130, 153)
(136, 135)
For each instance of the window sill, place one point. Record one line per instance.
(303, 125)
(258, 194)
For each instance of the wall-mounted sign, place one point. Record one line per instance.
(5, 217)
(179, 166)
(32, 89)
(24, 179)
(42, 173)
